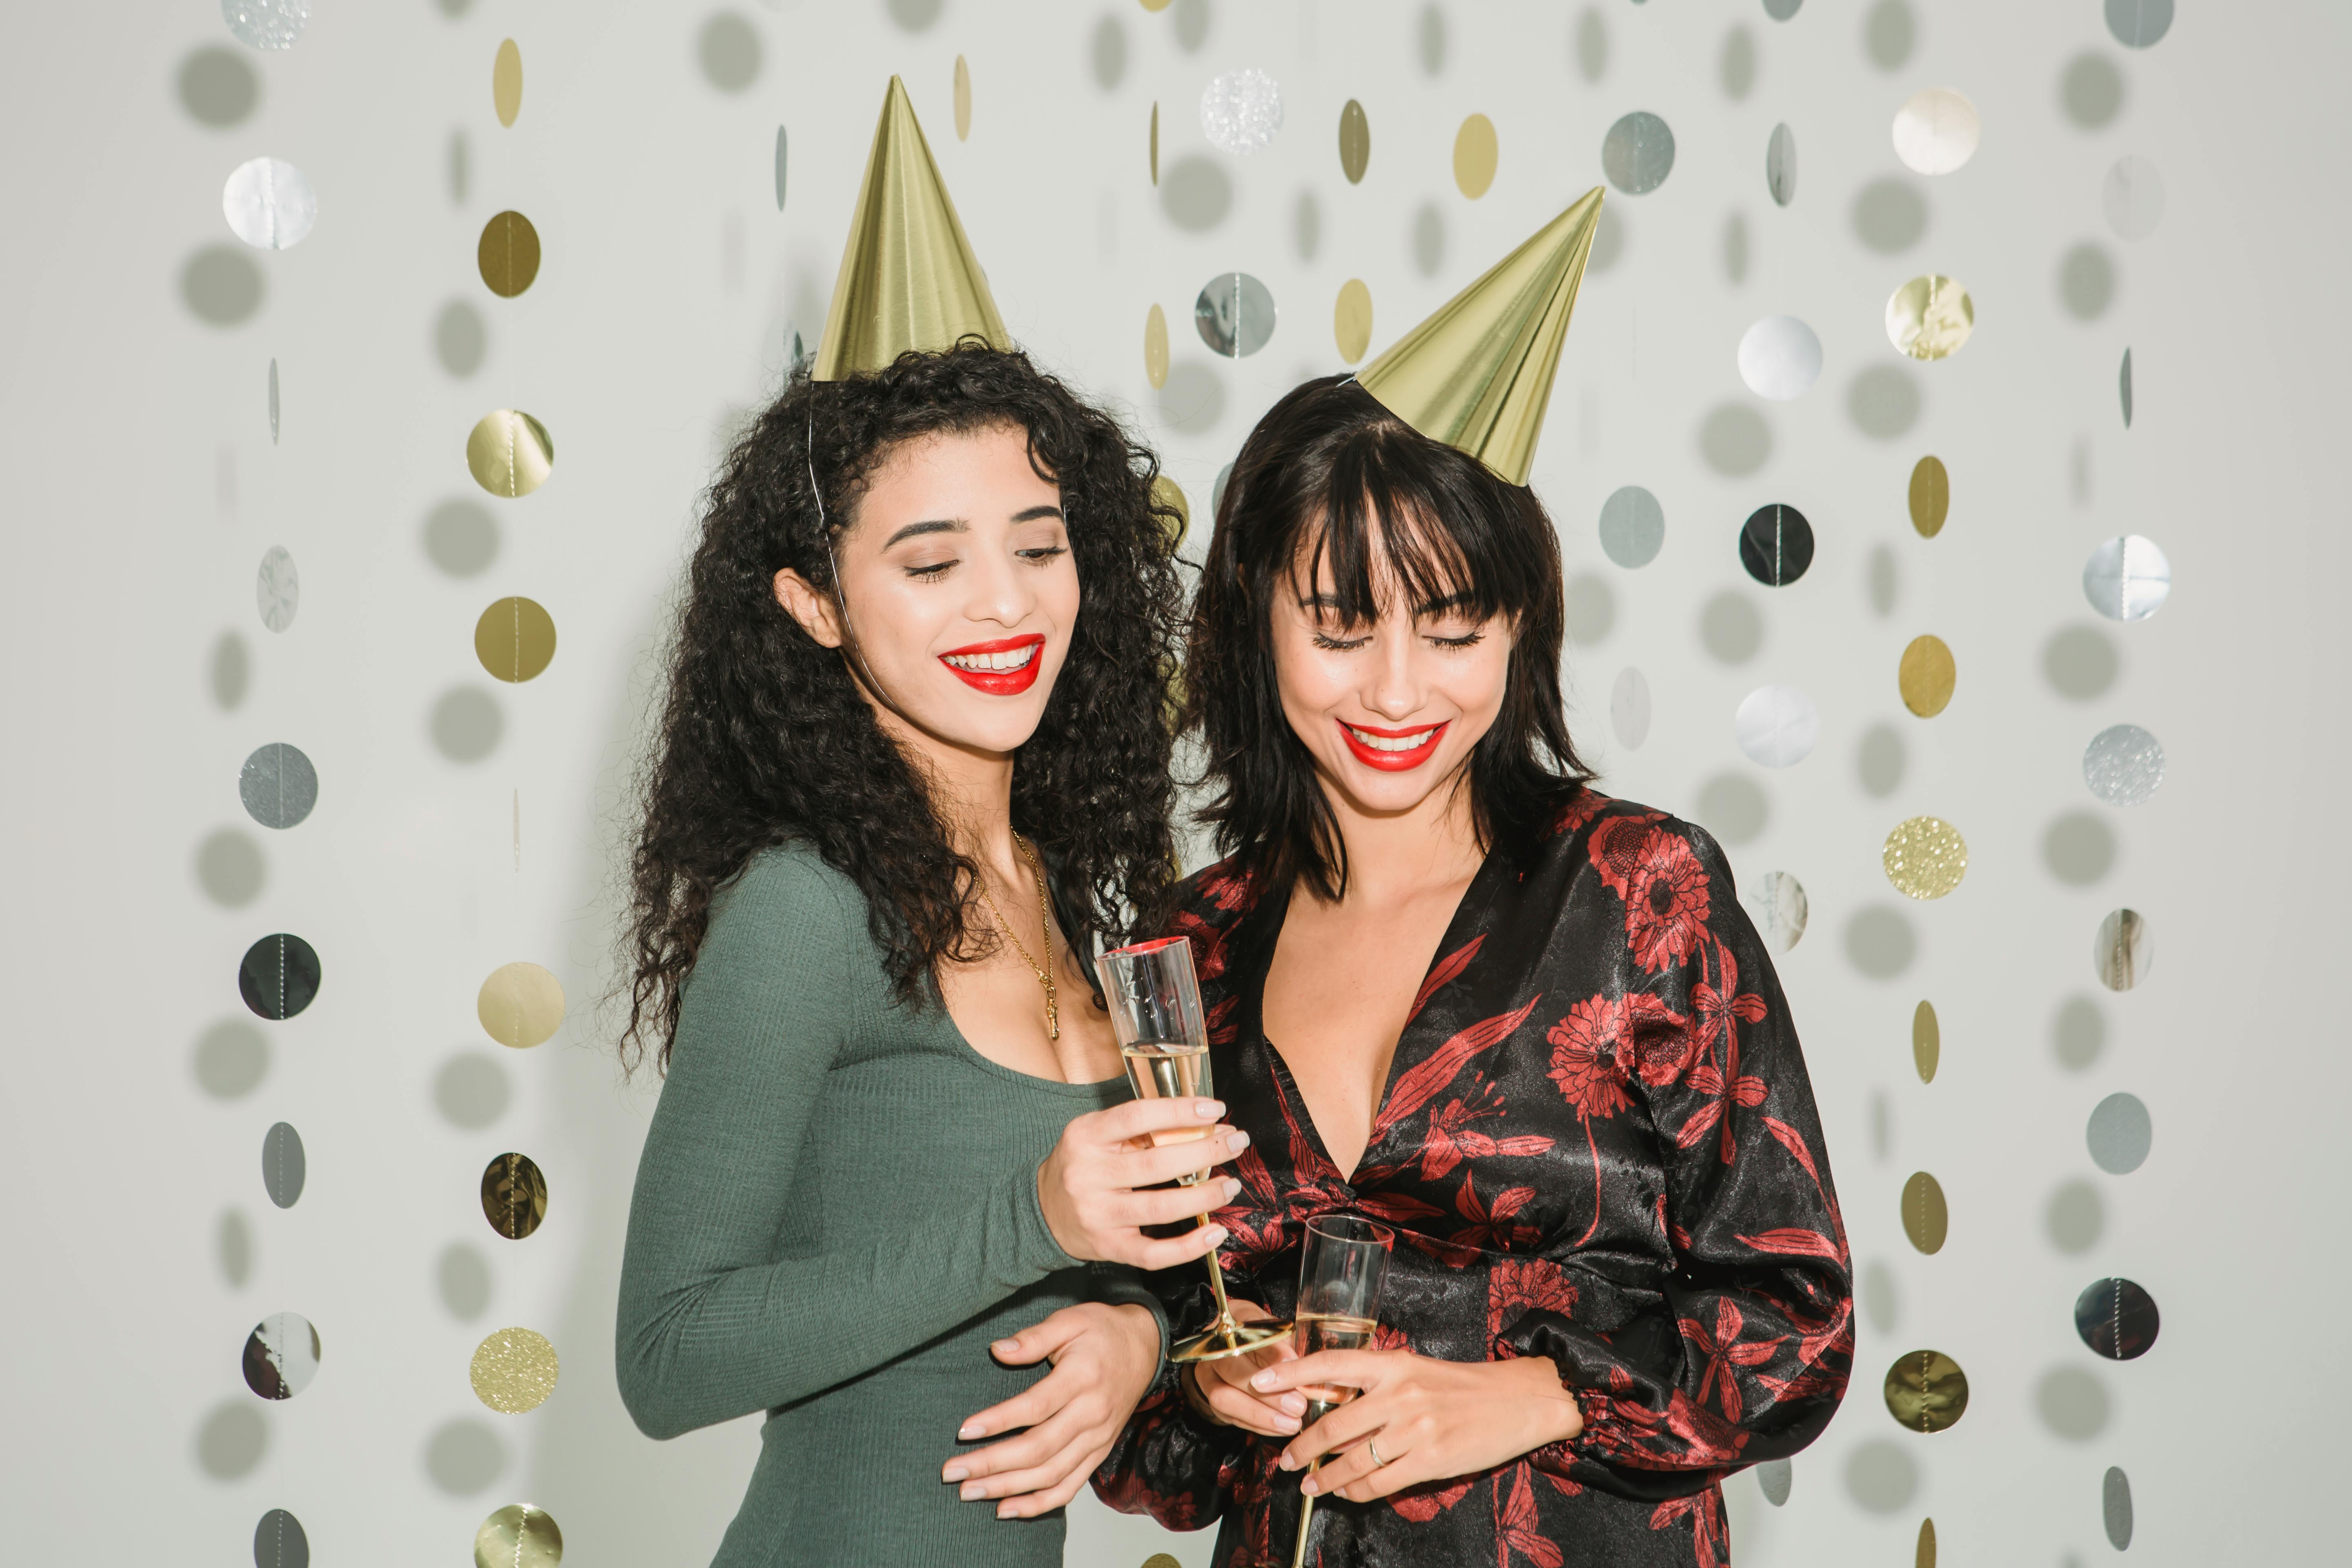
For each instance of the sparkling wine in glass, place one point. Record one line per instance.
(1340, 1271)
(1155, 1011)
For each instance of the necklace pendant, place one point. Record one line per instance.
(1053, 1014)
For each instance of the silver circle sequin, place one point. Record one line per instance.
(1777, 726)
(276, 589)
(2119, 1135)
(1633, 526)
(1780, 165)
(1776, 901)
(278, 785)
(1779, 358)
(1241, 110)
(1638, 153)
(267, 23)
(2124, 951)
(270, 203)
(1234, 314)
(2126, 578)
(2123, 764)
(2137, 23)
(283, 1167)
(281, 1355)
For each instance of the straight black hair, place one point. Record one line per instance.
(1330, 474)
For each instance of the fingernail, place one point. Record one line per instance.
(1233, 1189)
(970, 1430)
(1217, 1236)
(1003, 1346)
(1208, 1110)
(953, 1474)
(1287, 1426)
(1265, 1380)
(1294, 1404)
(1308, 1488)
(1238, 1141)
(971, 1492)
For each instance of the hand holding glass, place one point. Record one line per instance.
(1340, 1271)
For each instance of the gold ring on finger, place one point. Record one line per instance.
(1372, 1447)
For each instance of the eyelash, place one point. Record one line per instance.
(1334, 646)
(1037, 557)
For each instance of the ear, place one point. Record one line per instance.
(811, 606)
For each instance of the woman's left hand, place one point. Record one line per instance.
(1104, 1358)
(1429, 1420)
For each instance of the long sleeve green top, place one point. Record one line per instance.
(836, 1212)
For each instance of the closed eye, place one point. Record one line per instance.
(1043, 553)
(1339, 645)
(1468, 639)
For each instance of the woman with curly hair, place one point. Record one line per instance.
(1459, 994)
(912, 767)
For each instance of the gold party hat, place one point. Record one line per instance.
(908, 278)
(1478, 374)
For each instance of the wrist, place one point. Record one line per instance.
(1188, 1379)
(1548, 1408)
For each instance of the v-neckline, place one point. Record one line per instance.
(1275, 914)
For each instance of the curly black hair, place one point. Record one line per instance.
(765, 737)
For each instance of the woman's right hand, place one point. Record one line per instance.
(1220, 1389)
(1090, 1186)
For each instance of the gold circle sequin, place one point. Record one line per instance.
(1161, 1560)
(514, 1195)
(1155, 5)
(507, 254)
(1930, 316)
(1927, 1391)
(518, 1536)
(1927, 1043)
(1926, 1220)
(514, 1370)
(515, 639)
(1351, 319)
(506, 82)
(1931, 497)
(509, 453)
(1169, 495)
(1924, 1556)
(1355, 142)
(1155, 348)
(1474, 155)
(1926, 676)
(1925, 857)
(963, 100)
(521, 1004)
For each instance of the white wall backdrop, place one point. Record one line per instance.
(463, 823)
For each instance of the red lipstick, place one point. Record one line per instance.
(1393, 761)
(1005, 682)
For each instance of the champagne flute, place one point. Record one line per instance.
(1155, 1011)
(1340, 1271)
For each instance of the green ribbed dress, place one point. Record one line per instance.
(836, 1212)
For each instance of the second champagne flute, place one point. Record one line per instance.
(1340, 1271)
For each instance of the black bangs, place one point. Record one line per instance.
(1334, 496)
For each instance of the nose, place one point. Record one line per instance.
(1000, 592)
(1395, 691)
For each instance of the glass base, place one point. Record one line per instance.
(1222, 1342)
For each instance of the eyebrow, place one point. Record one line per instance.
(957, 524)
(1433, 608)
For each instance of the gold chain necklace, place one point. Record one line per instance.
(1046, 924)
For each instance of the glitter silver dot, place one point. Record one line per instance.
(2124, 765)
(267, 23)
(1241, 110)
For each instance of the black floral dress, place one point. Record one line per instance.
(1597, 1144)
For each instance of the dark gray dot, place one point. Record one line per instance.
(1608, 240)
(1888, 32)
(461, 537)
(233, 1247)
(1591, 45)
(279, 976)
(471, 1089)
(2079, 1033)
(1880, 1476)
(1735, 440)
(1196, 193)
(1731, 628)
(231, 1058)
(2119, 1135)
(1776, 544)
(1735, 247)
(728, 48)
(279, 1541)
(462, 1456)
(232, 1439)
(1781, 10)
(2073, 1403)
(221, 285)
(2116, 1318)
(2075, 1216)
(1733, 807)
(1307, 225)
(1633, 526)
(2115, 1507)
(2086, 282)
(218, 87)
(467, 724)
(1191, 19)
(1772, 1478)
(229, 869)
(460, 339)
(1591, 609)
(1107, 52)
(1881, 1303)
(463, 1279)
(1879, 760)
(1882, 582)
(2137, 24)
(277, 785)
(1428, 239)
(1890, 214)
(1429, 39)
(2091, 91)
(1880, 941)
(2081, 662)
(2079, 848)
(1194, 398)
(1882, 401)
(283, 1167)
(1737, 65)
(230, 672)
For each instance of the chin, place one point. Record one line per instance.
(1389, 794)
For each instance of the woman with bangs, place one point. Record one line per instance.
(1456, 991)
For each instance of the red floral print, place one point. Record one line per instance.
(1720, 1350)
(1518, 1286)
(1665, 902)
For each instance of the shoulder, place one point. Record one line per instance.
(787, 891)
(1624, 842)
(1215, 897)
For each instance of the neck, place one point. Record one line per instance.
(973, 787)
(1394, 855)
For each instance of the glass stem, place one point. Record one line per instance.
(1226, 1323)
(1306, 1518)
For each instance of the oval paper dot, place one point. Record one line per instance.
(1776, 544)
(507, 254)
(282, 1164)
(1776, 902)
(1772, 1478)
(1925, 857)
(1629, 708)
(267, 23)
(1779, 358)
(520, 1005)
(1927, 1041)
(1169, 496)
(270, 203)
(1777, 726)
(1475, 153)
(279, 976)
(1355, 142)
(2123, 950)
(1931, 497)
(963, 100)
(1234, 314)
(1927, 1391)
(509, 453)
(1936, 131)
(2116, 1318)
(1930, 316)
(2123, 388)
(514, 1195)
(1923, 1555)
(1926, 676)
(1241, 110)
(279, 1541)
(519, 1536)
(2119, 1135)
(281, 1355)
(515, 639)
(1155, 143)
(1351, 319)
(276, 589)
(2133, 196)
(1633, 526)
(1638, 153)
(1780, 165)
(1926, 1220)
(1155, 348)
(781, 143)
(514, 1370)
(2137, 23)
(277, 785)
(2115, 1507)
(2124, 765)
(506, 81)
(2128, 578)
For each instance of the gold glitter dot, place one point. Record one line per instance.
(518, 1536)
(514, 1370)
(1926, 857)
(1927, 1391)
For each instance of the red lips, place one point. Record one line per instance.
(1000, 682)
(1393, 761)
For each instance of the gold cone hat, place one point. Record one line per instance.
(908, 278)
(1478, 374)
